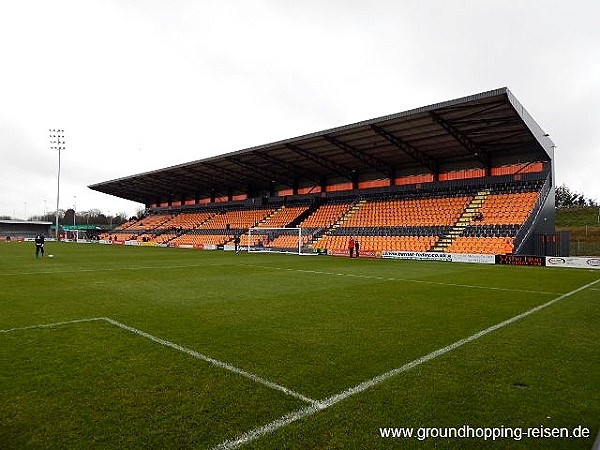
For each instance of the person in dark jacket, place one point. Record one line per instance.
(39, 245)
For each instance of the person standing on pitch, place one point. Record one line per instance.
(356, 247)
(351, 247)
(39, 245)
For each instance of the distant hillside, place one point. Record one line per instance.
(582, 224)
(577, 217)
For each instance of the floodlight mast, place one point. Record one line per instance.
(57, 142)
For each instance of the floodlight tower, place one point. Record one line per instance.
(57, 142)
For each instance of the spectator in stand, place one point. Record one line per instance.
(507, 247)
(356, 247)
(351, 247)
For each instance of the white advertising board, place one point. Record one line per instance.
(421, 256)
(434, 256)
(473, 258)
(573, 262)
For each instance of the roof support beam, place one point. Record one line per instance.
(324, 162)
(371, 161)
(486, 123)
(186, 185)
(505, 137)
(483, 108)
(198, 173)
(411, 151)
(227, 172)
(154, 185)
(264, 174)
(227, 176)
(296, 170)
(463, 140)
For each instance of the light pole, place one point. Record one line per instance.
(74, 208)
(57, 142)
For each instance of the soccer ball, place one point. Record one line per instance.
(50, 256)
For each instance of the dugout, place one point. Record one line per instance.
(486, 139)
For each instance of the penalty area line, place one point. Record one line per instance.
(53, 325)
(334, 399)
(213, 361)
(223, 365)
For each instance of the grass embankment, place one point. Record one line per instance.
(583, 226)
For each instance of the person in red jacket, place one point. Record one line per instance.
(351, 247)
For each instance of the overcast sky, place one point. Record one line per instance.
(140, 85)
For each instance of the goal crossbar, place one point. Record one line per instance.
(279, 240)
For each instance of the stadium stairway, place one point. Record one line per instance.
(177, 233)
(311, 209)
(355, 206)
(463, 221)
(268, 216)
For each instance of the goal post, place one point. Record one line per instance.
(277, 240)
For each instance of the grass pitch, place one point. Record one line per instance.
(165, 348)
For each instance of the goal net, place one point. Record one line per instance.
(74, 235)
(281, 240)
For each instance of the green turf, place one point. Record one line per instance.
(578, 217)
(315, 325)
(583, 226)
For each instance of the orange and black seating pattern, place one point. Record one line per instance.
(377, 243)
(283, 216)
(186, 221)
(237, 219)
(326, 215)
(507, 209)
(482, 245)
(413, 212)
(403, 221)
(148, 223)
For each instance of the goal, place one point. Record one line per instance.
(280, 240)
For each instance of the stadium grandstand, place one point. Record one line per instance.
(471, 175)
(23, 229)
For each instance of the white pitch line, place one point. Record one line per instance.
(330, 401)
(52, 325)
(411, 280)
(213, 361)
